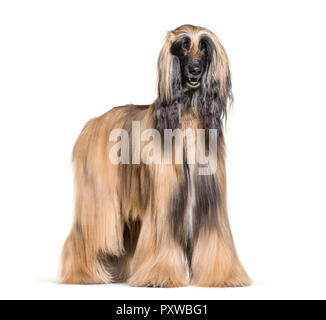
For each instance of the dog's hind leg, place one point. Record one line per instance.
(87, 242)
(98, 225)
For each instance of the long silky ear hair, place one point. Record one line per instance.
(216, 86)
(169, 103)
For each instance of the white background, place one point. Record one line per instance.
(64, 62)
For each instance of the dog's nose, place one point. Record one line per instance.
(194, 68)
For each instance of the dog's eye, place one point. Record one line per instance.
(202, 46)
(186, 44)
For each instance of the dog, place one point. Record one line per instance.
(154, 222)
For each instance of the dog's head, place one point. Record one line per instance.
(192, 62)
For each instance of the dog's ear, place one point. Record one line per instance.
(168, 105)
(217, 86)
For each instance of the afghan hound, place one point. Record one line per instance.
(158, 223)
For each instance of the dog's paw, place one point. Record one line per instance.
(232, 282)
(157, 282)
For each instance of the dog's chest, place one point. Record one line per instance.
(190, 125)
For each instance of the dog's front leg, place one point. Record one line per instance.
(159, 259)
(215, 262)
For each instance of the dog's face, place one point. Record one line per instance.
(193, 72)
(194, 58)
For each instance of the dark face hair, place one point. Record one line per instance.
(192, 88)
(194, 59)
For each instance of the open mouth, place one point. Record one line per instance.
(193, 82)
